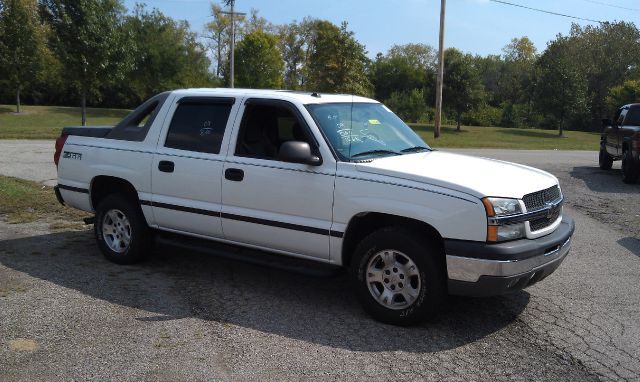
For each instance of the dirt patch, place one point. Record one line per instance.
(23, 344)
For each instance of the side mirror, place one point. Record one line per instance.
(298, 152)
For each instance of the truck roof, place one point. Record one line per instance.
(303, 97)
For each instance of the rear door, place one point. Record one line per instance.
(270, 203)
(187, 167)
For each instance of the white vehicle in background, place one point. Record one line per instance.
(337, 179)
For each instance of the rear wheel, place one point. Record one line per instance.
(630, 170)
(604, 159)
(121, 230)
(397, 276)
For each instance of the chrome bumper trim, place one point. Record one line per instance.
(470, 269)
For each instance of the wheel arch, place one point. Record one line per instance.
(104, 185)
(364, 223)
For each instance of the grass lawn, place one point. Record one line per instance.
(505, 138)
(45, 122)
(24, 201)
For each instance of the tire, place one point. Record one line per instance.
(398, 254)
(630, 170)
(604, 159)
(121, 231)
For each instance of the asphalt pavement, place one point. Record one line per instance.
(68, 314)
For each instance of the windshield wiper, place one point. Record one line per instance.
(415, 149)
(374, 152)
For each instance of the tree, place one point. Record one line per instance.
(89, 42)
(520, 49)
(403, 68)
(166, 55)
(219, 36)
(491, 69)
(628, 92)
(23, 48)
(291, 43)
(462, 89)
(410, 105)
(606, 55)
(259, 62)
(560, 86)
(516, 81)
(336, 61)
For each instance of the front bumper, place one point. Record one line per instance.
(483, 269)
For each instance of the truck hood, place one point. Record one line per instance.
(479, 177)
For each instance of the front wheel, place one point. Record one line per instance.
(630, 170)
(397, 276)
(121, 231)
(604, 159)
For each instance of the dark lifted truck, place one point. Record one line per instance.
(620, 140)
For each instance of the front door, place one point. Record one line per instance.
(270, 203)
(613, 135)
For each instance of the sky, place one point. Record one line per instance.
(475, 26)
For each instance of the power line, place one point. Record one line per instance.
(613, 5)
(544, 11)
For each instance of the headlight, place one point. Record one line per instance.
(502, 206)
(498, 207)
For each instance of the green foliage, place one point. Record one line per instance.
(628, 92)
(165, 55)
(606, 55)
(485, 115)
(410, 106)
(337, 62)
(291, 42)
(402, 69)
(462, 90)
(95, 49)
(561, 89)
(23, 49)
(259, 61)
(89, 42)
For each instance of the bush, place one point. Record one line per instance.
(485, 116)
(410, 106)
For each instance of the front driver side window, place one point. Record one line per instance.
(264, 128)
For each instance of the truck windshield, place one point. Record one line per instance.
(358, 131)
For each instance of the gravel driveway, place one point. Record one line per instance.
(68, 314)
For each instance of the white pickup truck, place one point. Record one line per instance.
(337, 179)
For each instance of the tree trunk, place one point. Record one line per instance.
(18, 100)
(83, 106)
(561, 134)
(458, 117)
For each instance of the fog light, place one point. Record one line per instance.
(510, 232)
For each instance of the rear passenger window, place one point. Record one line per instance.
(198, 126)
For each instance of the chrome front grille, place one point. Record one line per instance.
(539, 199)
(544, 222)
(543, 199)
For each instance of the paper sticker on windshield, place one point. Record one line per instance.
(374, 122)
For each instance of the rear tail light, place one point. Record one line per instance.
(59, 145)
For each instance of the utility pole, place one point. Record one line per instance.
(436, 131)
(231, 4)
